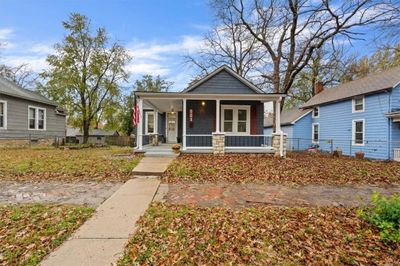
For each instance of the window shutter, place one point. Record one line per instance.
(253, 120)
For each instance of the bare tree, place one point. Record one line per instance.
(22, 75)
(292, 30)
(228, 43)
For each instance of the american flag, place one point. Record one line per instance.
(135, 116)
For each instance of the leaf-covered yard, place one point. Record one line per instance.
(298, 168)
(171, 234)
(29, 232)
(67, 165)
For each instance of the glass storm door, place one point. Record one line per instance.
(172, 127)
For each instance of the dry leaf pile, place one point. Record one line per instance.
(298, 168)
(170, 235)
(29, 232)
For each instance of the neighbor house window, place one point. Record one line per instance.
(236, 119)
(358, 104)
(3, 115)
(315, 113)
(150, 122)
(36, 118)
(315, 133)
(358, 132)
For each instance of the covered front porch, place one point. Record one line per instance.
(207, 123)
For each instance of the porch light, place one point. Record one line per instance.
(172, 111)
(203, 103)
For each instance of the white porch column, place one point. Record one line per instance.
(218, 117)
(184, 125)
(278, 116)
(139, 132)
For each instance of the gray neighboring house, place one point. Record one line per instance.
(96, 136)
(25, 114)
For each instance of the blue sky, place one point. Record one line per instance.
(157, 33)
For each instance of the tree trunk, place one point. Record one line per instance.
(85, 131)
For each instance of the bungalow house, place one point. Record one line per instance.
(222, 112)
(25, 114)
(358, 116)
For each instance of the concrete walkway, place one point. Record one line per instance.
(152, 166)
(101, 240)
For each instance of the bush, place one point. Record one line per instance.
(384, 213)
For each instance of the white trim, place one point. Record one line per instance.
(300, 117)
(4, 114)
(184, 124)
(235, 109)
(176, 127)
(353, 133)
(313, 114)
(146, 126)
(218, 116)
(312, 133)
(353, 108)
(36, 108)
(277, 113)
(139, 141)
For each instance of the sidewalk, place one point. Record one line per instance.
(101, 240)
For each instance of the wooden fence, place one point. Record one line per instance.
(128, 141)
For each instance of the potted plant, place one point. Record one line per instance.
(360, 155)
(176, 148)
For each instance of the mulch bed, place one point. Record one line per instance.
(30, 232)
(297, 168)
(170, 234)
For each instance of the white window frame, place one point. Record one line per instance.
(313, 113)
(5, 114)
(312, 133)
(354, 104)
(236, 109)
(37, 118)
(353, 132)
(146, 126)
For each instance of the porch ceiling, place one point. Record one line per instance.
(164, 105)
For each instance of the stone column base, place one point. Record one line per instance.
(218, 143)
(276, 144)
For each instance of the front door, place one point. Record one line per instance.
(172, 127)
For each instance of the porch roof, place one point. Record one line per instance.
(263, 97)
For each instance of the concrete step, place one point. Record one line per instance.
(152, 166)
(160, 154)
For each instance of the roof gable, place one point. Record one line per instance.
(288, 117)
(11, 89)
(223, 81)
(370, 84)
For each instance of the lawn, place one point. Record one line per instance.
(298, 168)
(29, 232)
(57, 164)
(169, 234)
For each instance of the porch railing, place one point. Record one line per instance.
(250, 141)
(199, 140)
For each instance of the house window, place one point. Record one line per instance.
(358, 132)
(315, 113)
(150, 123)
(36, 118)
(3, 115)
(236, 119)
(358, 104)
(315, 133)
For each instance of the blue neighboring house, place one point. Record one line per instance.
(361, 115)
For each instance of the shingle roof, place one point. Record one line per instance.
(287, 117)
(73, 132)
(369, 84)
(11, 89)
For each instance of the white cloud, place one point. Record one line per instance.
(35, 63)
(5, 33)
(41, 48)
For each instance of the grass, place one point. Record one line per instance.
(298, 168)
(169, 235)
(56, 164)
(30, 232)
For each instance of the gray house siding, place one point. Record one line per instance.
(222, 82)
(17, 120)
(204, 120)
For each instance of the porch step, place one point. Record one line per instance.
(160, 154)
(152, 166)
